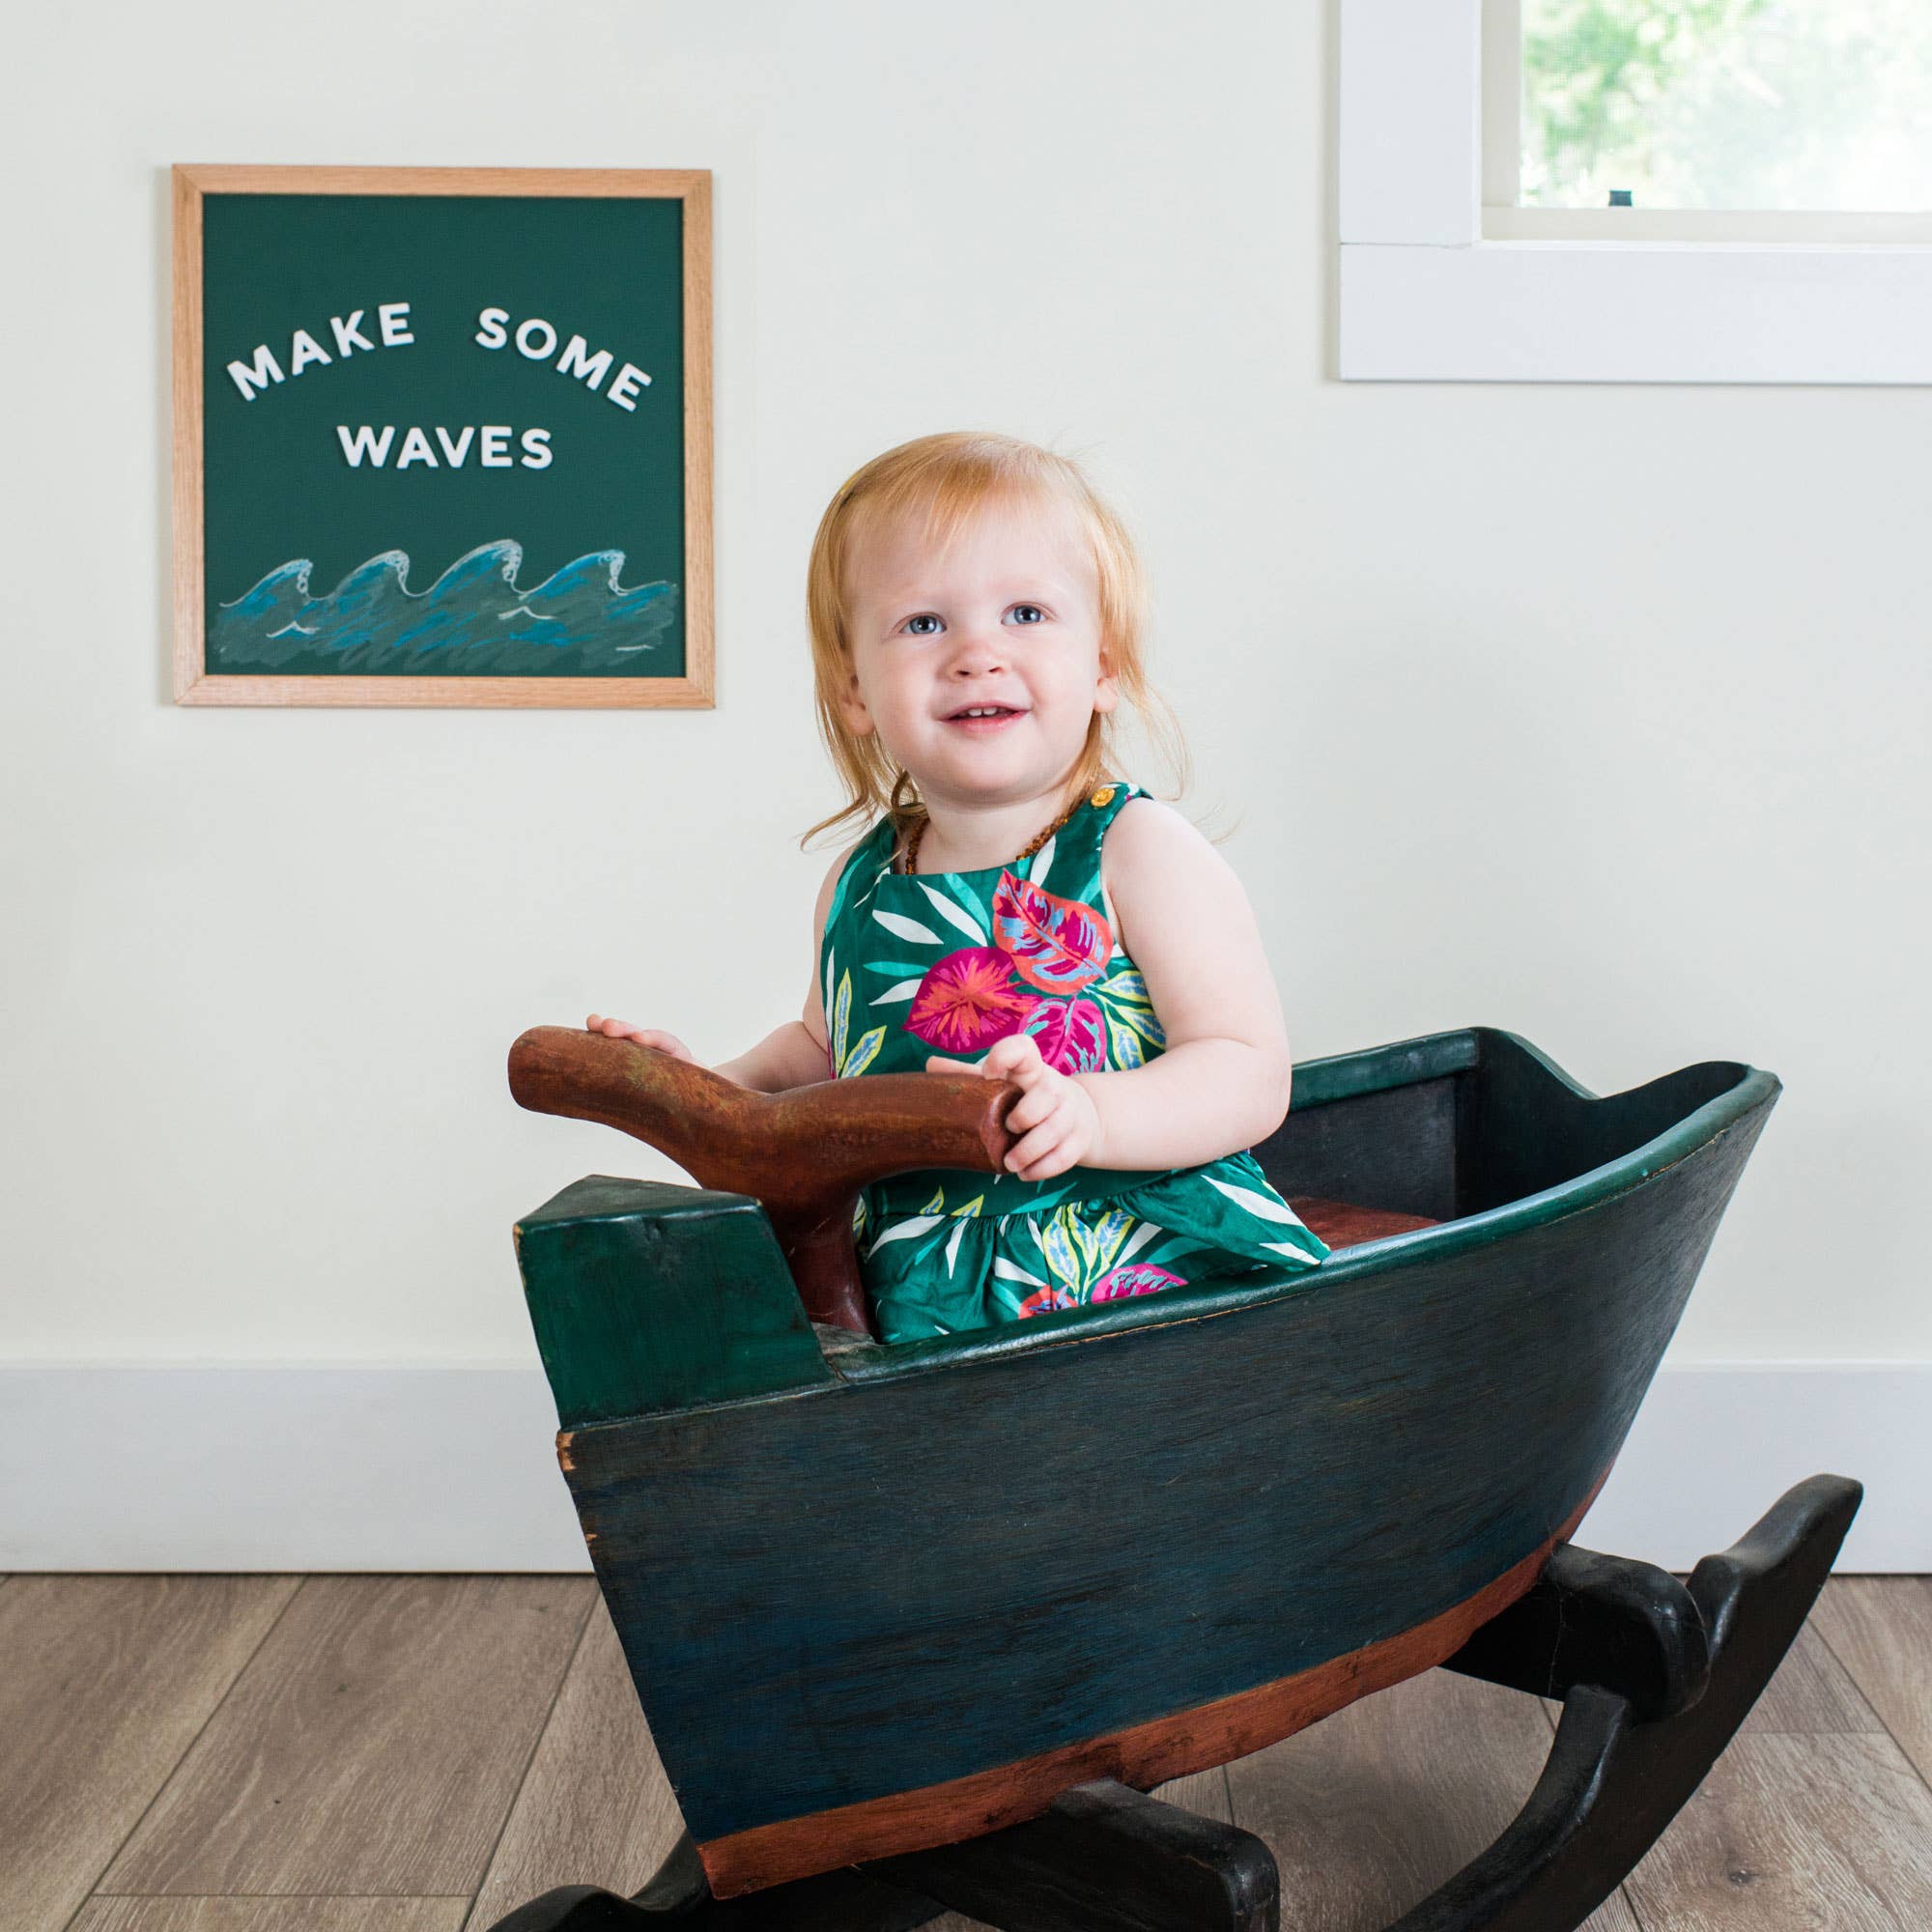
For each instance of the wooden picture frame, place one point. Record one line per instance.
(278, 256)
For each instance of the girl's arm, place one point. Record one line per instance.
(1222, 1083)
(786, 1057)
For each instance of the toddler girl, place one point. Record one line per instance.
(976, 614)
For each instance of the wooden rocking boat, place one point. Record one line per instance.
(881, 1598)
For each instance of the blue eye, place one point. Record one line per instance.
(913, 623)
(1039, 615)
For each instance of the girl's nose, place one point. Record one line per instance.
(979, 647)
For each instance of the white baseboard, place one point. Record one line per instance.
(249, 1466)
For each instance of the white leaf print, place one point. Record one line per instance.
(892, 995)
(864, 1053)
(952, 1247)
(901, 927)
(958, 914)
(905, 1231)
(1288, 1249)
(1139, 1239)
(1008, 1270)
(1258, 1205)
(1042, 860)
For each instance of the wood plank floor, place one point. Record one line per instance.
(424, 1753)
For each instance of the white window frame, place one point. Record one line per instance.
(1426, 297)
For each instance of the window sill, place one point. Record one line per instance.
(1636, 312)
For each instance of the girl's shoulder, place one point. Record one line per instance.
(1143, 829)
(1154, 859)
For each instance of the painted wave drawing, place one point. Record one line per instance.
(473, 621)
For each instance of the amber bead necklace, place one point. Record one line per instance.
(1100, 797)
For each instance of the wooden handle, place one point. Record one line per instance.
(804, 1153)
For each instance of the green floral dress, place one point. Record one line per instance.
(946, 964)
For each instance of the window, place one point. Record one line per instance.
(1771, 161)
(1708, 120)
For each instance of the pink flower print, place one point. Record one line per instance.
(1056, 945)
(1071, 1034)
(1136, 1278)
(968, 1001)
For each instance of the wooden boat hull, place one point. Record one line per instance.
(877, 1599)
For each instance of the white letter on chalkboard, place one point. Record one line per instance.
(416, 449)
(395, 320)
(304, 349)
(497, 446)
(349, 336)
(455, 452)
(366, 443)
(625, 387)
(490, 335)
(537, 448)
(265, 370)
(549, 348)
(575, 362)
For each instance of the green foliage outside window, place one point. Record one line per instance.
(1729, 104)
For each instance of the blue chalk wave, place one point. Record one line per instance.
(473, 621)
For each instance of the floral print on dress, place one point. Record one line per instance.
(1056, 945)
(951, 963)
(969, 998)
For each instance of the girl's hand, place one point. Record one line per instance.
(1054, 1115)
(664, 1043)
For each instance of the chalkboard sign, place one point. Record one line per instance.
(442, 436)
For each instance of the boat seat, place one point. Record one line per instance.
(1342, 1224)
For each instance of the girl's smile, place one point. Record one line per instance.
(981, 724)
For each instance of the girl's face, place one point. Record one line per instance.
(1009, 621)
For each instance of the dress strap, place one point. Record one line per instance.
(870, 857)
(1069, 865)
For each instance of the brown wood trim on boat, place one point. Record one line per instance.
(804, 1153)
(1343, 1224)
(1142, 1756)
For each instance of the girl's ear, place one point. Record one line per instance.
(852, 707)
(1106, 692)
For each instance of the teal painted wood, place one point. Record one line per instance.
(646, 1296)
(928, 1561)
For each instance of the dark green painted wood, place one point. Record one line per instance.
(1115, 1515)
(1392, 1147)
(1345, 1076)
(648, 1296)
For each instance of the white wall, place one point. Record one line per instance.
(1594, 712)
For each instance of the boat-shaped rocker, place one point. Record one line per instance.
(918, 1626)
